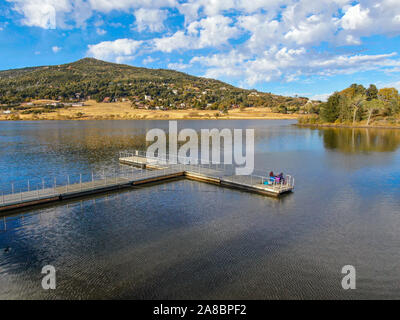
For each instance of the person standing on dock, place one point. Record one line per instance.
(280, 177)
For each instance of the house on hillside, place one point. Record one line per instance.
(107, 100)
(253, 94)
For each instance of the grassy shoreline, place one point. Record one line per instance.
(124, 111)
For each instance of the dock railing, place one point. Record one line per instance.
(54, 187)
(42, 188)
(214, 169)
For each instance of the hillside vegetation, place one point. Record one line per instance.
(359, 106)
(91, 79)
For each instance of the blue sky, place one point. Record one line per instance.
(304, 47)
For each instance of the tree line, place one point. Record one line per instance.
(357, 103)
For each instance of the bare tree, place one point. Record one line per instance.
(357, 103)
(372, 106)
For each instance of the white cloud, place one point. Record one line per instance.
(289, 64)
(208, 32)
(177, 41)
(355, 18)
(56, 49)
(119, 50)
(51, 14)
(312, 30)
(395, 84)
(255, 41)
(125, 5)
(213, 31)
(281, 42)
(150, 19)
(321, 97)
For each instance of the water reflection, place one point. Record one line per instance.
(360, 140)
(188, 240)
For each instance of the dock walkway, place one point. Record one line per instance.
(151, 170)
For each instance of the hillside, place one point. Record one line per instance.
(146, 88)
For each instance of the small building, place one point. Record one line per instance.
(107, 100)
(253, 94)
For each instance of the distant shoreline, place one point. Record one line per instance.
(93, 110)
(153, 118)
(360, 126)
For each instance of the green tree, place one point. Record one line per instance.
(359, 89)
(330, 109)
(372, 92)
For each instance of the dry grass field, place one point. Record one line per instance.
(123, 111)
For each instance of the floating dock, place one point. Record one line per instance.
(213, 173)
(150, 170)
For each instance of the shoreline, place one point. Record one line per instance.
(124, 111)
(152, 118)
(360, 126)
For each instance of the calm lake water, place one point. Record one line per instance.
(189, 240)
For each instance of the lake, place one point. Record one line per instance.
(190, 240)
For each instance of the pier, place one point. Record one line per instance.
(144, 170)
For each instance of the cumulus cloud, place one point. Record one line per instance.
(119, 50)
(51, 14)
(281, 42)
(208, 32)
(125, 5)
(150, 19)
(289, 64)
(257, 41)
(321, 97)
